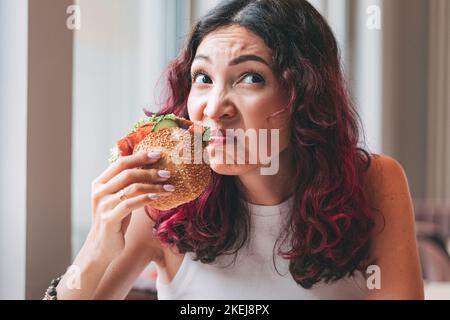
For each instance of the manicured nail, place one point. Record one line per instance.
(153, 196)
(169, 188)
(164, 174)
(154, 155)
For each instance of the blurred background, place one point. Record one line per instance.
(75, 75)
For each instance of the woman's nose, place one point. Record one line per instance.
(219, 106)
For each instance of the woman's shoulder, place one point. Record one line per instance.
(393, 248)
(387, 190)
(385, 177)
(382, 161)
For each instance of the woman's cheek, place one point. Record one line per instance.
(194, 109)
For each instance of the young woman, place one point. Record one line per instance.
(334, 222)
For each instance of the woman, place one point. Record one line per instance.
(333, 223)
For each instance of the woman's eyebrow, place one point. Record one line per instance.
(235, 61)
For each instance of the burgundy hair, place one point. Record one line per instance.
(331, 222)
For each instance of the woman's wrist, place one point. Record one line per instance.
(89, 256)
(82, 278)
(93, 251)
(84, 275)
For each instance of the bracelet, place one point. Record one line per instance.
(51, 293)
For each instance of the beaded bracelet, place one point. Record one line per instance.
(51, 293)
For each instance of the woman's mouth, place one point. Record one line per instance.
(219, 137)
(221, 140)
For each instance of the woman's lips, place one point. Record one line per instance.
(220, 137)
(218, 132)
(217, 140)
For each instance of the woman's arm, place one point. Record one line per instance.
(114, 280)
(140, 249)
(394, 246)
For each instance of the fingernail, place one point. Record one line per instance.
(164, 174)
(169, 188)
(154, 155)
(153, 196)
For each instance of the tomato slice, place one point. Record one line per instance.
(194, 128)
(142, 133)
(124, 147)
(127, 144)
(131, 138)
(183, 123)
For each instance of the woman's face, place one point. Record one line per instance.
(234, 87)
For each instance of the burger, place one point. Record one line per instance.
(182, 144)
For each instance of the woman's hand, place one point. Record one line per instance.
(116, 193)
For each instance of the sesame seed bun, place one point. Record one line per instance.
(190, 179)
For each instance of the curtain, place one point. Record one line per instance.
(387, 75)
(438, 161)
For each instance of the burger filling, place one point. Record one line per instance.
(145, 126)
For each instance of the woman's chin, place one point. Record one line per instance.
(231, 169)
(218, 163)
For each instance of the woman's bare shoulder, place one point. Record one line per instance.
(393, 245)
(385, 177)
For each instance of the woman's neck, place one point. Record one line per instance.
(269, 190)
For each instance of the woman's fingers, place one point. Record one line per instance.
(111, 210)
(115, 217)
(136, 189)
(129, 162)
(131, 176)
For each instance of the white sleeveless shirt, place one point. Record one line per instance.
(253, 275)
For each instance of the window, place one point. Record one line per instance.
(120, 53)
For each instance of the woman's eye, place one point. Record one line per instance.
(201, 78)
(253, 78)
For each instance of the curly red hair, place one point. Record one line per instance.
(331, 222)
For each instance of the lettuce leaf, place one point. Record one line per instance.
(207, 134)
(153, 119)
(114, 155)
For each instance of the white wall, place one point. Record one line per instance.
(200, 7)
(13, 130)
(367, 72)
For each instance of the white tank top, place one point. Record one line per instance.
(253, 276)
